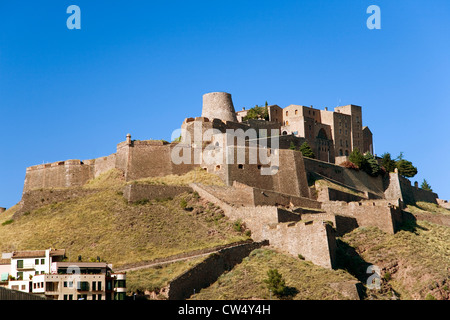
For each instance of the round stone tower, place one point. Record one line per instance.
(218, 105)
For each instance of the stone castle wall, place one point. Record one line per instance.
(61, 174)
(398, 187)
(310, 241)
(358, 180)
(314, 240)
(137, 159)
(383, 214)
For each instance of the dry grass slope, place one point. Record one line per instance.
(246, 281)
(414, 262)
(103, 224)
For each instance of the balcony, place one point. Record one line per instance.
(25, 266)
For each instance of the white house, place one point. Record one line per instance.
(27, 264)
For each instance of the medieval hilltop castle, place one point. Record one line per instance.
(283, 208)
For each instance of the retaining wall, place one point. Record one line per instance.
(206, 272)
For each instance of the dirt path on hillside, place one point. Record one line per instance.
(177, 257)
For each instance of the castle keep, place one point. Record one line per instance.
(273, 193)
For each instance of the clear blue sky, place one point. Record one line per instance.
(141, 67)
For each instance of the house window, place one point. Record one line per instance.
(20, 275)
(19, 264)
(42, 261)
(340, 152)
(120, 284)
(99, 287)
(240, 166)
(94, 287)
(36, 261)
(287, 123)
(346, 153)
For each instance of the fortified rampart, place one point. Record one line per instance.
(383, 214)
(398, 187)
(350, 178)
(62, 174)
(137, 159)
(314, 240)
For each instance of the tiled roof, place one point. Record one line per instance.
(38, 253)
(57, 252)
(28, 254)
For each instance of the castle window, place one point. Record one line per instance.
(218, 167)
(346, 153)
(287, 123)
(296, 111)
(340, 152)
(287, 112)
(240, 166)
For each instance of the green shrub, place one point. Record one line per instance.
(238, 225)
(430, 297)
(275, 282)
(7, 222)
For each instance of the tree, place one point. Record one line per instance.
(275, 282)
(292, 146)
(357, 158)
(257, 112)
(426, 186)
(306, 150)
(406, 168)
(387, 162)
(370, 165)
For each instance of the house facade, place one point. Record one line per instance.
(44, 273)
